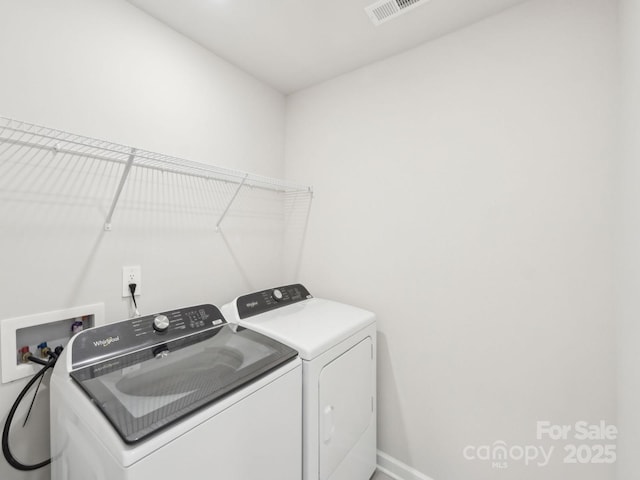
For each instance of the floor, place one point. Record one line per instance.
(380, 476)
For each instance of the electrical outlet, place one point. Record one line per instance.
(131, 275)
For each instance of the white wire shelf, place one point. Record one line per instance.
(30, 136)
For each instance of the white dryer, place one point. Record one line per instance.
(174, 395)
(337, 344)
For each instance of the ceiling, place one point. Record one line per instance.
(293, 44)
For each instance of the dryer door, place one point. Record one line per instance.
(346, 392)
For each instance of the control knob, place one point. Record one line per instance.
(161, 323)
(277, 294)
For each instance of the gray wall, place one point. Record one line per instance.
(627, 241)
(463, 193)
(107, 70)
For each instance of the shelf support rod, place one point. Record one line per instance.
(244, 179)
(116, 197)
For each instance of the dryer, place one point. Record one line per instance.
(174, 394)
(337, 344)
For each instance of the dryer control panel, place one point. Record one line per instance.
(266, 300)
(101, 343)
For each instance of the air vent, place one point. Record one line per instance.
(385, 10)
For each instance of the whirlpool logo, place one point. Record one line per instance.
(106, 341)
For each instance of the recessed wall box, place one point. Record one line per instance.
(55, 328)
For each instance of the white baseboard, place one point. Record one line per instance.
(395, 469)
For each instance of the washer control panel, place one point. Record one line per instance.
(266, 300)
(100, 343)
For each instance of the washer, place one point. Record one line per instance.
(337, 344)
(174, 394)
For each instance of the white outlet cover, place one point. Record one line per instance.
(131, 273)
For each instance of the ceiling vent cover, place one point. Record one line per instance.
(385, 10)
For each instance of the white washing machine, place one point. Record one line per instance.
(173, 395)
(337, 344)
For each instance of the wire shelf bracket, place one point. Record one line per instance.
(235, 194)
(116, 196)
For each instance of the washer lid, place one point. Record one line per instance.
(310, 326)
(147, 390)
